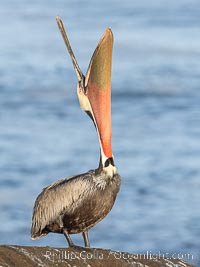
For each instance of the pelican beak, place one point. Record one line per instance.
(79, 74)
(98, 90)
(94, 90)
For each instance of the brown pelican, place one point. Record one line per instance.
(75, 204)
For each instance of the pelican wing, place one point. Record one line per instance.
(62, 196)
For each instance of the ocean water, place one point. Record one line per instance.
(45, 136)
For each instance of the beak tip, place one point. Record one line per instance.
(109, 32)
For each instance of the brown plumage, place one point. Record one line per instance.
(75, 204)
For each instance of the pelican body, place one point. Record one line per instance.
(75, 204)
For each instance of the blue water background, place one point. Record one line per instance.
(45, 136)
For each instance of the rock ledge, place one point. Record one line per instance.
(23, 256)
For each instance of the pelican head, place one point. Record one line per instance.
(94, 89)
